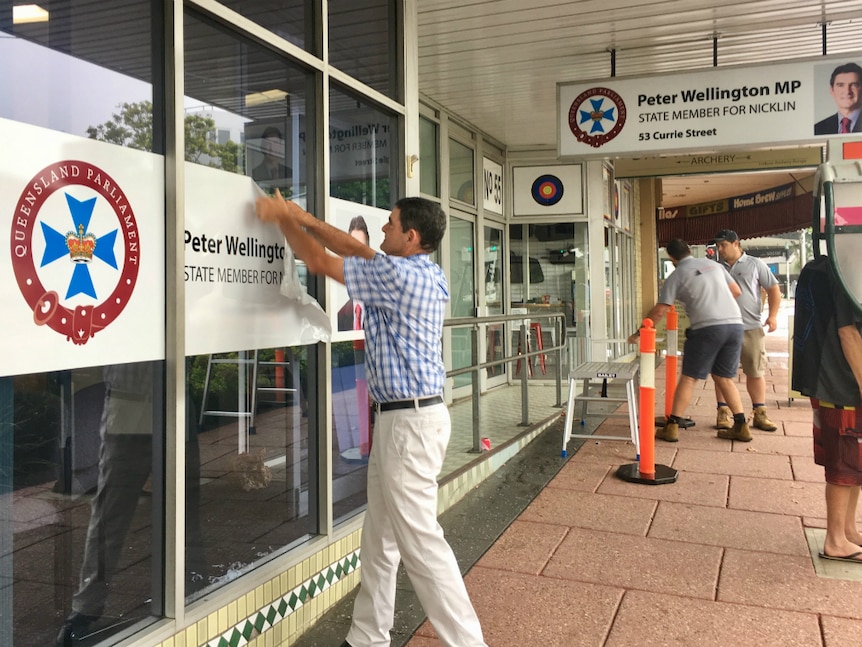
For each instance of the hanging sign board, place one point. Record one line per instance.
(703, 110)
(720, 162)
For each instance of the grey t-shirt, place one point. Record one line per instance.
(751, 274)
(702, 286)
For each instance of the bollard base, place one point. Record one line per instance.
(631, 473)
(685, 424)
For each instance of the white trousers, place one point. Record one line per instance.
(401, 524)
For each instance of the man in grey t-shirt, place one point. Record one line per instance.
(713, 340)
(753, 276)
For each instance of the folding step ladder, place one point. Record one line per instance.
(242, 360)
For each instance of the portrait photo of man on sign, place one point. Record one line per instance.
(845, 89)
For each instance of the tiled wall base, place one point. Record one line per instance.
(282, 608)
(277, 613)
(278, 610)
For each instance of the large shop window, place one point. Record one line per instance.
(363, 141)
(290, 19)
(250, 373)
(71, 69)
(429, 154)
(82, 426)
(362, 42)
(549, 275)
(461, 169)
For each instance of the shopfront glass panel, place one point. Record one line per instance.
(461, 172)
(82, 386)
(618, 292)
(290, 19)
(608, 258)
(618, 261)
(245, 109)
(549, 274)
(248, 372)
(362, 142)
(362, 42)
(494, 255)
(462, 292)
(429, 157)
(630, 317)
(351, 428)
(617, 299)
(628, 288)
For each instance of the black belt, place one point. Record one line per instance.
(410, 404)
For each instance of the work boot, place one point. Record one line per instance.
(670, 432)
(739, 431)
(724, 418)
(75, 628)
(760, 421)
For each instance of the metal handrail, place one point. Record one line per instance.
(559, 322)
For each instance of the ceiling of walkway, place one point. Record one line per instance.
(696, 189)
(497, 63)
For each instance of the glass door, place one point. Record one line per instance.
(618, 298)
(611, 257)
(462, 290)
(548, 268)
(493, 296)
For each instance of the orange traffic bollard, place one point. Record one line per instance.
(646, 426)
(671, 359)
(279, 374)
(645, 470)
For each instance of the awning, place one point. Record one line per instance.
(788, 215)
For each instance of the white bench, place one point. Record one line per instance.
(620, 372)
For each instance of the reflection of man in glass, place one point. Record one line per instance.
(845, 86)
(129, 420)
(272, 166)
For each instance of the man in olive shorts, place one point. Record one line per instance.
(713, 340)
(827, 367)
(752, 275)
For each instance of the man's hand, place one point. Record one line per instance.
(773, 299)
(634, 338)
(273, 209)
(270, 209)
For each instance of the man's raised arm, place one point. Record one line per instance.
(309, 245)
(335, 240)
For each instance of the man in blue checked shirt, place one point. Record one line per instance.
(405, 294)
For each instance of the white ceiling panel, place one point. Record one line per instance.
(497, 63)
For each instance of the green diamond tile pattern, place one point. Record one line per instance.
(266, 618)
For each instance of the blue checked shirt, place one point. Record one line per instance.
(405, 300)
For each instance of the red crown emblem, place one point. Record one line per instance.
(80, 245)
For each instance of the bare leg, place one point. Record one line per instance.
(838, 518)
(682, 396)
(731, 393)
(756, 388)
(850, 530)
